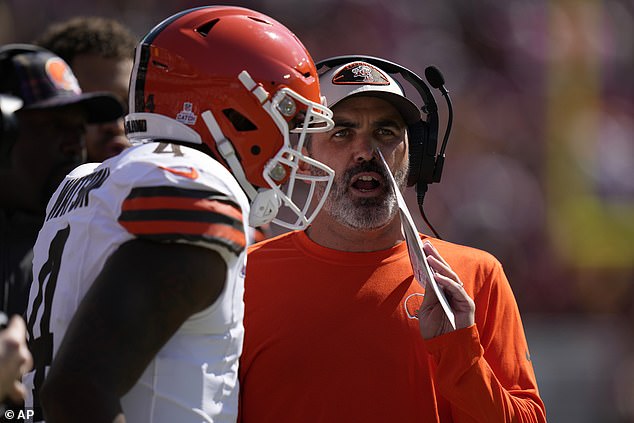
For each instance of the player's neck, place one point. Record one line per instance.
(327, 232)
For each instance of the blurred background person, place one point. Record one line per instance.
(44, 114)
(15, 358)
(100, 52)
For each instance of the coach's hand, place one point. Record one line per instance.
(431, 316)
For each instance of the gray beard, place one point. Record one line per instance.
(363, 214)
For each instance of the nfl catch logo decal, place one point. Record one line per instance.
(186, 115)
(360, 74)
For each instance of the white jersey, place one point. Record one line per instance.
(167, 193)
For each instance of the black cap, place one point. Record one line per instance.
(43, 80)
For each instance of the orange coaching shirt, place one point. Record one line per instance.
(329, 338)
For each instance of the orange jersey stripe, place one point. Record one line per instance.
(212, 230)
(180, 203)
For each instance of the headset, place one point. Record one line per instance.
(425, 165)
(9, 101)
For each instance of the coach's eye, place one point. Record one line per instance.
(342, 133)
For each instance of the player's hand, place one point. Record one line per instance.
(15, 360)
(431, 316)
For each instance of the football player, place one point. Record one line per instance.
(135, 311)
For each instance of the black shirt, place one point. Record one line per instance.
(18, 232)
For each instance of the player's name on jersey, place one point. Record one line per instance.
(74, 192)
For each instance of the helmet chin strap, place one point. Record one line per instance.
(264, 202)
(264, 207)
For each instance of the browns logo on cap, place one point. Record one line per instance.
(61, 76)
(360, 78)
(360, 73)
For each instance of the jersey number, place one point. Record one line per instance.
(42, 346)
(167, 148)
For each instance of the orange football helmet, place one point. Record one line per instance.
(241, 83)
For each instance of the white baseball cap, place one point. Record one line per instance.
(360, 78)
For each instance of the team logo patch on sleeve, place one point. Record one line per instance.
(360, 74)
(167, 213)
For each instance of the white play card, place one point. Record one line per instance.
(422, 272)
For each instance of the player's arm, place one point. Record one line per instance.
(143, 295)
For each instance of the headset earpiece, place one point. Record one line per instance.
(423, 135)
(417, 134)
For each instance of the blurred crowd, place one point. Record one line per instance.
(540, 164)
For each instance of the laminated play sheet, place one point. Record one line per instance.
(422, 272)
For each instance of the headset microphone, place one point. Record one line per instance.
(436, 80)
(434, 77)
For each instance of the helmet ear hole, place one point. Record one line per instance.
(240, 122)
(204, 29)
